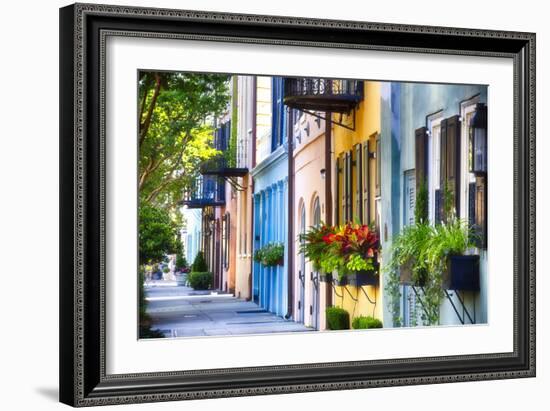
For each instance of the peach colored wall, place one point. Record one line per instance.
(309, 159)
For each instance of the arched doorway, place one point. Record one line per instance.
(314, 276)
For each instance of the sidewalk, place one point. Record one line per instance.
(180, 311)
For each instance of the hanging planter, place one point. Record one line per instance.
(364, 277)
(325, 277)
(462, 273)
(270, 255)
(406, 274)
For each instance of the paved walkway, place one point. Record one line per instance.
(180, 311)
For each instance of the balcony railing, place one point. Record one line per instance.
(207, 191)
(319, 94)
(223, 165)
(227, 163)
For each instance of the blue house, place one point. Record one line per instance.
(270, 284)
(426, 135)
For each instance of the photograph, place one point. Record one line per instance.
(281, 204)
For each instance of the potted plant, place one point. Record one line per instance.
(353, 248)
(314, 248)
(447, 253)
(270, 255)
(350, 250)
(407, 250)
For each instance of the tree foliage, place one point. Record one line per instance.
(181, 261)
(175, 130)
(199, 265)
(157, 234)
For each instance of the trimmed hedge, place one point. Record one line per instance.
(200, 280)
(363, 322)
(199, 265)
(337, 318)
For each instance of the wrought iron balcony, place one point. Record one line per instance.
(228, 163)
(207, 191)
(319, 94)
(223, 165)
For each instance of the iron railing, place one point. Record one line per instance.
(228, 163)
(320, 94)
(206, 191)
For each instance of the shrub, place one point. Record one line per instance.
(363, 322)
(200, 280)
(199, 265)
(337, 318)
(165, 270)
(181, 262)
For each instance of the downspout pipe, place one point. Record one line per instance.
(252, 164)
(290, 280)
(328, 186)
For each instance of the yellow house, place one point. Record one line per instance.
(356, 188)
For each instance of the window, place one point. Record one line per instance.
(473, 193)
(316, 212)
(434, 166)
(278, 131)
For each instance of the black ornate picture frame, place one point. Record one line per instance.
(83, 30)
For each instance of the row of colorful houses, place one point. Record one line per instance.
(301, 151)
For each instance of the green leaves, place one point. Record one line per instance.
(176, 128)
(157, 234)
(271, 254)
(363, 322)
(199, 264)
(428, 248)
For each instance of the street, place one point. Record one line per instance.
(179, 311)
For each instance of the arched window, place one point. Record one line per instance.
(316, 212)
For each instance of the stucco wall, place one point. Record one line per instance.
(309, 159)
(369, 300)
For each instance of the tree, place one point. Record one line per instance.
(199, 265)
(181, 261)
(176, 115)
(157, 234)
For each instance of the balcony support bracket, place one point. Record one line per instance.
(338, 123)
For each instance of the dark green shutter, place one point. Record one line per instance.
(337, 197)
(481, 210)
(358, 170)
(421, 157)
(453, 160)
(366, 183)
(348, 187)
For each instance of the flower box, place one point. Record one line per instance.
(462, 273)
(341, 281)
(406, 274)
(364, 277)
(325, 277)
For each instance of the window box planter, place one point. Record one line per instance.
(406, 275)
(341, 281)
(462, 273)
(325, 277)
(364, 277)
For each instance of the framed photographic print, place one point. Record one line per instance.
(261, 204)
